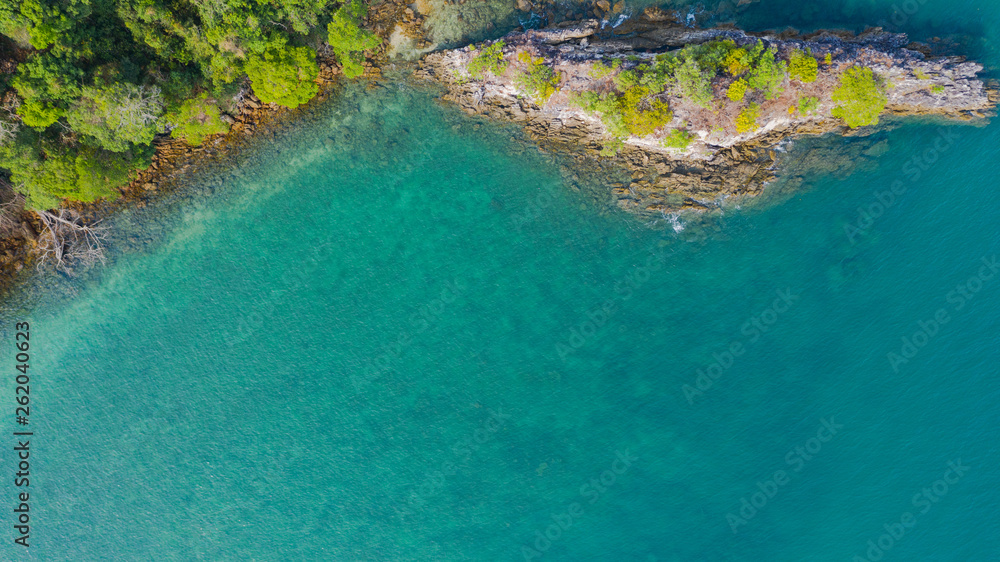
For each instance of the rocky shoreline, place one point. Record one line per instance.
(175, 161)
(644, 177)
(720, 161)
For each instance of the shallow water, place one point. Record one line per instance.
(399, 334)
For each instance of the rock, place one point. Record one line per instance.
(718, 164)
(524, 5)
(604, 5)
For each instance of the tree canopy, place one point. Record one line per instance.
(101, 78)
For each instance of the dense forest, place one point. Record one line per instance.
(97, 80)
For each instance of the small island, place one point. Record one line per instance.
(695, 114)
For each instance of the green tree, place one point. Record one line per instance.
(768, 74)
(100, 173)
(46, 83)
(694, 82)
(860, 98)
(284, 76)
(196, 119)
(118, 116)
(802, 66)
(348, 40)
(48, 20)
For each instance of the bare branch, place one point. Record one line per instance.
(67, 241)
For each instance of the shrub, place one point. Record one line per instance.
(602, 69)
(347, 40)
(284, 75)
(860, 97)
(828, 59)
(921, 75)
(807, 104)
(737, 90)
(802, 66)
(537, 80)
(746, 121)
(677, 139)
(633, 112)
(937, 89)
(490, 59)
(196, 119)
(737, 61)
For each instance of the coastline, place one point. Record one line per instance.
(647, 182)
(720, 160)
(174, 159)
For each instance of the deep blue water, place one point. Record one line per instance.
(399, 334)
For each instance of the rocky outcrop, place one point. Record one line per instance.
(721, 161)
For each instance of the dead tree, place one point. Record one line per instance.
(67, 242)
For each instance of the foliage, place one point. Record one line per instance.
(860, 98)
(101, 173)
(196, 119)
(537, 80)
(807, 104)
(634, 111)
(677, 139)
(93, 92)
(603, 70)
(490, 59)
(802, 66)
(47, 171)
(348, 40)
(695, 82)
(737, 90)
(38, 114)
(828, 59)
(285, 76)
(767, 74)
(746, 121)
(737, 61)
(937, 89)
(118, 116)
(921, 75)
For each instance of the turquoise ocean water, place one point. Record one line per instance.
(401, 334)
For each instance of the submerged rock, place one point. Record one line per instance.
(718, 148)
